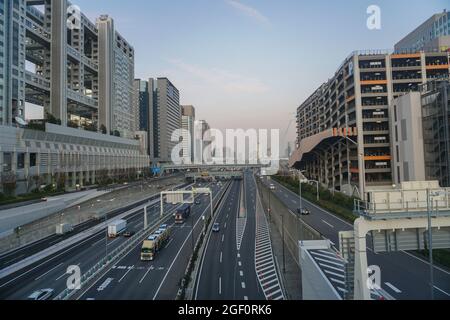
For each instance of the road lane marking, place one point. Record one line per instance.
(223, 238)
(439, 289)
(50, 259)
(221, 257)
(328, 224)
(220, 285)
(142, 279)
(168, 244)
(243, 285)
(15, 259)
(43, 275)
(129, 269)
(241, 273)
(245, 298)
(240, 264)
(395, 289)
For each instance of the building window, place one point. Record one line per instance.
(33, 157)
(20, 160)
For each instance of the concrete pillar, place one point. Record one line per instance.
(361, 289)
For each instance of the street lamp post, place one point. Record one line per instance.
(282, 229)
(317, 186)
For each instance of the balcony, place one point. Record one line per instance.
(37, 81)
(82, 99)
(37, 31)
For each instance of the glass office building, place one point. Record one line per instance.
(436, 130)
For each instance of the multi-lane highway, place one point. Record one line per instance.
(228, 267)
(51, 271)
(404, 276)
(132, 279)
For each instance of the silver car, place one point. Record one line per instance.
(43, 294)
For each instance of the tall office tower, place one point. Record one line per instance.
(141, 104)
(202, 142)
(432, 35)
(116, 77)
(55, 58)
(343, 128)
(187, 123)
(165, 118)
(81, 75)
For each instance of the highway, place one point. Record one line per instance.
(50, 272)
(227, 270)
(403, 275)
(16, 255)
(132, 279)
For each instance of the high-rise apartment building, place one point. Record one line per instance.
(79, 72)
(187, 123)
(343, 128)
(432, 35)
(165, 118)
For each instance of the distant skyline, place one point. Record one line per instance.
(249, 64)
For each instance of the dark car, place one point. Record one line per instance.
(128, 233)
(303, 211)
(216, 227)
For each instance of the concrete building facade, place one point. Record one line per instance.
(65, 157)
(432, 35)
(54, 57)
(187, 123)
(344, 127)
(407, 138)
(165, 118)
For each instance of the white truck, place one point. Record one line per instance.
(63, 228)
(116, 228)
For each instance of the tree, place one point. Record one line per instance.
(9, 183)
(103, 129)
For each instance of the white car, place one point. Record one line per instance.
(272, 187)
(43, 294)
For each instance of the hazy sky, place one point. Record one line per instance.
(250, 63)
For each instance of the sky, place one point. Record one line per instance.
(251, 63)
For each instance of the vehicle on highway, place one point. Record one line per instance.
(116, 228)
(197, 201)
(182, 214)
(63, 228)
(44, 199)
(128, 233)
(272, 187)
(43, 294)
(155, 243)
(303, 211)
(216, 227)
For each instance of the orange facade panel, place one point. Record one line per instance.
(436, 67)
(354, 170)
(405, 56)
(373, 82)
(377, 158)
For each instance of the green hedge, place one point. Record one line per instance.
(338, 204)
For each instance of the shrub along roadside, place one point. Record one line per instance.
(338, 204)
